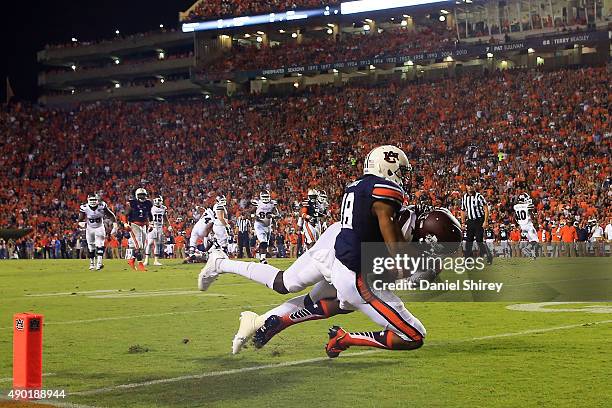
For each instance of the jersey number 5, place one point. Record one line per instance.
(346, 217)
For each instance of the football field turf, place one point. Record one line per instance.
(120, 338)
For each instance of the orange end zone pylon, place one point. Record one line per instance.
(27, 351)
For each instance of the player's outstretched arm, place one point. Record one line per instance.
(389, 229)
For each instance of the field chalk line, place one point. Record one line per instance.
(111, 318)
(318, 359)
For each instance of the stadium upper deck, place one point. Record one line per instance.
(281, 54)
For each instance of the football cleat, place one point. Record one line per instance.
(248, 327)
(270, 328)
(209, 272)
(92, 266)
(333, 348)
(98, 267)
(132, 263)
(141, 267)
(156, 263)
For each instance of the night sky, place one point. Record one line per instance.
(28, 25)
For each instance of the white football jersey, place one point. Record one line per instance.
(208, 215)
(523, 217)
(95, 216)
(216, 209)
(264, 211)
(158, 214)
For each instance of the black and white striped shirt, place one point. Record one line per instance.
(243, 224)
(473, 205)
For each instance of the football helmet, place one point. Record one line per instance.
(440, 229)
(264, 196)
(388, 162)
(141, 194)
(322, 198)
(312, 194)
(93, 200)
(524, 198)
(158, 201)
(220, 199)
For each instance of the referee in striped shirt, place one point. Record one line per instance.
(474, 207)
(244, 241)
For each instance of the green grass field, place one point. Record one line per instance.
(475, 355)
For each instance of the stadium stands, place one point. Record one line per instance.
(209, 9)
(398, 41)
(544, 132)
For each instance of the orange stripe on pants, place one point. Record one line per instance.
(387, 311)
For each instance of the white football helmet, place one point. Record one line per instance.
(525, 198)
(264, 196)
(322, 198)
(312, 194)
(158, 201)
(221, 200)
(141, 194)
(388, 162)
(93, 200)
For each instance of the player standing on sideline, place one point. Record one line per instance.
(138, 218)
(522, 210)
(94, 213)
(310, 218)
(265, 212)
(221, 226)
(155, 237)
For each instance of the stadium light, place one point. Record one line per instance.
(281, 31)
(73, 67)
(73, 39)
(117, 85)
(259, 39)
(368, 20)
(366, 27)
(260, 33)
(296, 84)
(530, 50)
(247, 35)
(161, 55)
(330, 31)
(448, 59)
(162, 80)
(404, 23)
(161, 26)
(117, 61)
(72, 91)
(294, 35)
(444, 11)
(409, 63)
(489, 55)
(335, 71)
(117, 32)
(442, 18)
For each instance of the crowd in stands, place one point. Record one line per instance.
(211, 9)
(545, 133)
(348, 47)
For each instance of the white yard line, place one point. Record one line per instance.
(10, 379)
(106, 319)
(317, 359)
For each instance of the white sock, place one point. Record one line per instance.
(257, 272)
(290, 306)
(99, 259)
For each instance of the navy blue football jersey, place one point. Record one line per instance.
(358, 222)
(140, 211)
